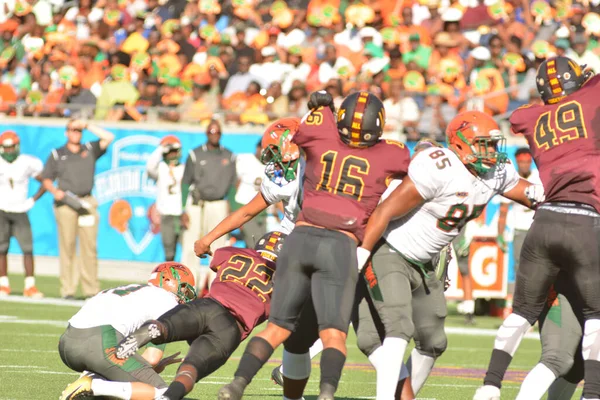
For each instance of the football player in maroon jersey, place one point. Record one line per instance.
(238, 301)
(564, 137)
(347, 166)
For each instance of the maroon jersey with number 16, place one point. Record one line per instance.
(565, 142)
(343, 184)
(243, 285)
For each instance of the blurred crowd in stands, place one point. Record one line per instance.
(251, 61)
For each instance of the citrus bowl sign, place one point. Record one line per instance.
(125, 196)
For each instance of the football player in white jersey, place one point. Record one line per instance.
(165, 167)
(15, 171)
(90, 341)
(444, 189)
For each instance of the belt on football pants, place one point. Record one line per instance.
(570, 208)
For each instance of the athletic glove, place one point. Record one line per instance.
(321, 99)
(362, 255)
(535, 194)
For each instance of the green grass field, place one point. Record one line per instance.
(30, 367)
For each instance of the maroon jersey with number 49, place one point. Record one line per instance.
(343, 184)
(565, 142)
(243, 285)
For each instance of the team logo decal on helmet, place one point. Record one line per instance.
(476, 139)
(558, 77)
(361, 119)
(175, 278)
(279, 154)
(269, 246)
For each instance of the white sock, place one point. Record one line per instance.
(29, 282)
(389, 367)
(316, 348)
(420, 367)
(376, 357)
(510, 334)
(536, 383)
(469, 306)
(120, 390)
(4, 281)
(159, 392)
(561, 390)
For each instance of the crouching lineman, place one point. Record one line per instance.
(444, 189)
(238, 301)
(91, 339)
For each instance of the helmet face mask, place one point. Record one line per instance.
(279, 154)
(476, 139)
(276, 168)
(9, 146)
(175, 278)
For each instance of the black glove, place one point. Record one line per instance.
(321, 98)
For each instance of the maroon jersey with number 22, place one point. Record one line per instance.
(565, 141)
(243, 285)
(343, 184)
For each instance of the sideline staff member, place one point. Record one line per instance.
(73, 166)
(208, 175)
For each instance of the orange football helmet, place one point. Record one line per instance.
(476, 139)
(9, 139)
(279, 154)
(170, 144)
(175, 278)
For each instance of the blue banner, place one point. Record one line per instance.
(122, 184)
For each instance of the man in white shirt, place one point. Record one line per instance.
(332, 63)
(90, 341)
(250, 174)
(15, 171)
(271, 69)
(240, 81)
(298, 70)
(165, 167)
(401, 111)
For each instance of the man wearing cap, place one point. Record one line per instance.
(15, 171)
(581, 55)
(271, 69)
(72, 166)
(83, 99)
(418, 53)
(207, 178)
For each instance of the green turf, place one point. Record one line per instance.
(30, 367)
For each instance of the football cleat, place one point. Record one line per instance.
(233, 390)
(277, 376)
(4, 291)
(80, 389)
(33, 292)
(142, 336)
(487, 392)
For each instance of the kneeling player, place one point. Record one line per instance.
(93, 333)
(238, 301)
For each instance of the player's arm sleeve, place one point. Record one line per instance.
(518, 120)
(217, 260)
(315, 125)
(512, 177)
(427, 178)
(35, 167)
(269, 192)
(153, 163)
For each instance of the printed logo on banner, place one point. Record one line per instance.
(126, 195)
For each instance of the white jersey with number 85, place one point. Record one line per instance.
(453, 196)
